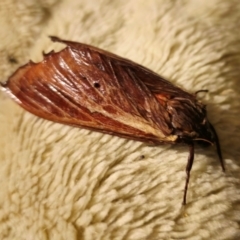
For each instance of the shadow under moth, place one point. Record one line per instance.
(87, 87)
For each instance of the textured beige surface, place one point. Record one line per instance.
(58, 182)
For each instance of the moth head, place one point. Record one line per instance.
(189, 121)
(208, 136)
(205, 135)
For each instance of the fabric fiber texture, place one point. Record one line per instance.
(58, 182)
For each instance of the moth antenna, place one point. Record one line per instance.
(219, 152)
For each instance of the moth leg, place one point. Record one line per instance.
(219, 152)
(188, 170)
(202, 90)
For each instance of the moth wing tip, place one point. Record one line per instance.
(59, 40)
(30, 62)
(55, 39)
(3, 85)
(45, 55)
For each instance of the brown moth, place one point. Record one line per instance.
(87, 87)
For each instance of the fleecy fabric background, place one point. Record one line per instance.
(59, 182)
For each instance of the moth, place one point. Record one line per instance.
(84, 86)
